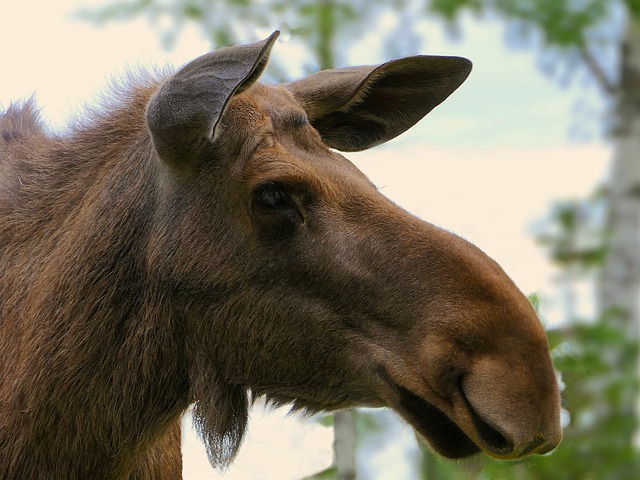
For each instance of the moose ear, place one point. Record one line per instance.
(186, 110)
(359, 107)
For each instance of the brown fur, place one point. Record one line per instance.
(134, 283)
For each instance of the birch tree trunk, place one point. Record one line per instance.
(619, 288)
(344, 444)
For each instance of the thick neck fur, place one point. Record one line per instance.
(91, 356)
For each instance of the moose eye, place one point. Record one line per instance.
(277, 216)
(272, 196)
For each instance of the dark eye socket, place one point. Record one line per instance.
(272, 196)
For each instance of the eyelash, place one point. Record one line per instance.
(272, 196)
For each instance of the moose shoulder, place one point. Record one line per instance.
(204, 243)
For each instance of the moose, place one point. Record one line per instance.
(201, 242)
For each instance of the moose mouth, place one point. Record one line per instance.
(443, 434)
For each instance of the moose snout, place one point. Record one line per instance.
(545, 442)
(539, 443)
(511, 436)
(513, 413)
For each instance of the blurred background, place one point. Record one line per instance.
(536, 159)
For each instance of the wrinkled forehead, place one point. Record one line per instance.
(263, 105)
(258, 116)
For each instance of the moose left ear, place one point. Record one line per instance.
(359, 107)
(187, 108)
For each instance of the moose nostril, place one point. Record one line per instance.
(533, 444)
(491, 436)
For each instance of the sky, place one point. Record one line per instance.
(486, 164)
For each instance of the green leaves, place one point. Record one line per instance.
(561, 23)
(325, 26)
(117, 10)
(450, 9)
(575, 234)
(598, 364)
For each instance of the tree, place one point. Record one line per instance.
(599, 360)
(322, 25)
(600, 39)
(583, 34)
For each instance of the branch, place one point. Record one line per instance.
(597, 71)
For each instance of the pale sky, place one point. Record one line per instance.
(485, 164)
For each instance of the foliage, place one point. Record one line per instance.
(598, 365)
(599, 373)
(563, 23)
(580, 29)
(576, 238)
(324, 25)
(330, 473)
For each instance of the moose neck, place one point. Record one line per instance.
(108, 348)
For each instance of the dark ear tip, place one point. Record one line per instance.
(464, 65)
(458, 65)
(272, 38)
(455, 69)
(431, 64)
(267, 44)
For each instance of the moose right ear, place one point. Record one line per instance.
(186, 110)
(359, 107)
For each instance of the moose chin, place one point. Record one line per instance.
(201, 241)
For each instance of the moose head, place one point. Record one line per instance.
(205, 243)
(315, 290)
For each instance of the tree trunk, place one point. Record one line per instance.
(619, 288)
(344, 444)
(326, 31)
